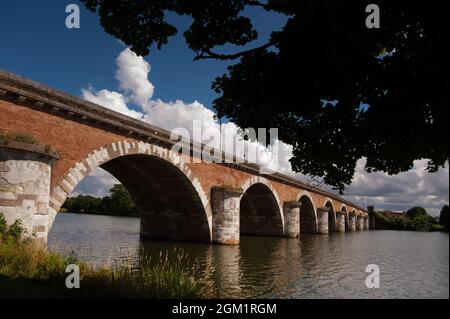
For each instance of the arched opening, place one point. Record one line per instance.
(170, 202)
(346, 218)
(308, 218)
(260, 213)
(332, 223)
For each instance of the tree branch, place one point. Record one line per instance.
(208, 54)
(255, 3)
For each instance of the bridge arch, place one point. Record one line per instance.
(332, 222)
(344, 209)
(260, 209)
(171, 200)
(308, 215)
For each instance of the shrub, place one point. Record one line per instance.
(3, 226)
(18, 137)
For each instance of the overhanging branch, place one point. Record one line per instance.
(208, 54)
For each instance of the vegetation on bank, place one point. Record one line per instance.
(29, 270)
(118, 203)
(415, 219)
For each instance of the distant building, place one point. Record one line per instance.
(388, 213)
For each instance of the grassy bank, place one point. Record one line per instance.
(28, 270)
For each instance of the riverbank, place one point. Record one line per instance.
(29, 270)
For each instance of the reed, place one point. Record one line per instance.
(28, 266)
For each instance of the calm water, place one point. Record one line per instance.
(412, 264)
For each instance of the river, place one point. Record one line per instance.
(411, 264)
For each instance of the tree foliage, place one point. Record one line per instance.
(443, 217)
(118, 203)
(415, 219)
(337, 90)
(415, 212)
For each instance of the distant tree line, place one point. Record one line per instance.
(117, 203)
(415, 219)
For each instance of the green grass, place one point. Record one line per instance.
(29, 270)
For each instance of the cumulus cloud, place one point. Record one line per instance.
(132, 73)
(97, 184)
(111, 100)
(400, 192)
(413, 188)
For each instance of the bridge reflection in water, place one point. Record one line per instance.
(309, 267)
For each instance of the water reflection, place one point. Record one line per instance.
(413, 265)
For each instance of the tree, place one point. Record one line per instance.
(83, 204)
(443, 217)
(338, 90)
(119, 202)
(415, 212)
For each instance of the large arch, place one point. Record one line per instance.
(170, 199)
(332, 222)
(260, 210)
(308, 216)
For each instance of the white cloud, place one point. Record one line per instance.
(132, 74)
(111, 100)
(415, 187)
(97, 183)
(400, 192)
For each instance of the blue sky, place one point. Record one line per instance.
(36, 44)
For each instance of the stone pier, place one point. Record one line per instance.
(322, 217)
(25, 174)
(225, 219)
(366, 223)
(292, 219)
(360, 223)
(340, 219)
(351, 222)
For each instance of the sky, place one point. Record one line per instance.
(166, 88)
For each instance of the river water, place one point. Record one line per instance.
(411, 264)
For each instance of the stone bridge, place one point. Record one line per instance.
(178, 198)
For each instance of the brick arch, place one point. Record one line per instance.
(332, 222)
(344, 209)
(121, 152)
(308, 214)
(264, 215)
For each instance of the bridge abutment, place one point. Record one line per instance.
(225, 215)
(25, 174)
(292, 219)
(322, 217)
